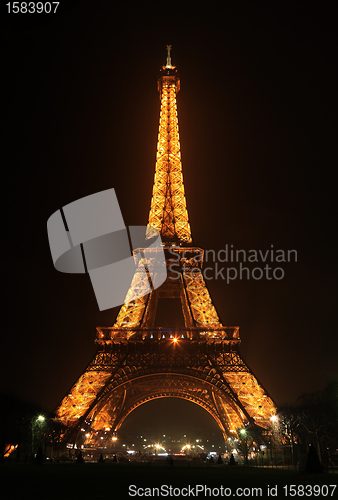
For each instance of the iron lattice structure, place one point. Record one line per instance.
(138, 361)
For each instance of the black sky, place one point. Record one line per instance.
(256, 117)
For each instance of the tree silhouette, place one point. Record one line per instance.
(313, 420)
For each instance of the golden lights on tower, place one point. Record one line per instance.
(136, 361)
(168, 211)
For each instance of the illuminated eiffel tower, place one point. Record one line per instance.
(136, 360)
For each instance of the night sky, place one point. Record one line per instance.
(80, 110)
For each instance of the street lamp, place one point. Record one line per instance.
(273, 422)
(40, 419)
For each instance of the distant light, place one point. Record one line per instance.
(273, 418)
(242, 431)
(41, 418)
(175, 340)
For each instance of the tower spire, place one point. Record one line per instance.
(168, 56)
(168, 211)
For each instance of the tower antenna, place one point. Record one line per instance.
(168, 56)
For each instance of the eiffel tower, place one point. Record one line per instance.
(138, 361)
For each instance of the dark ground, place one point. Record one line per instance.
(110, 481)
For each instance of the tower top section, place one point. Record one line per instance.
(168, 211)
(168, 74)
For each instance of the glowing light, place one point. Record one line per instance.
(9, 451)
(41, 418)
(157, 446)
(175, 340)
(273, 418)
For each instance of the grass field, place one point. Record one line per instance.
(112, 481)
